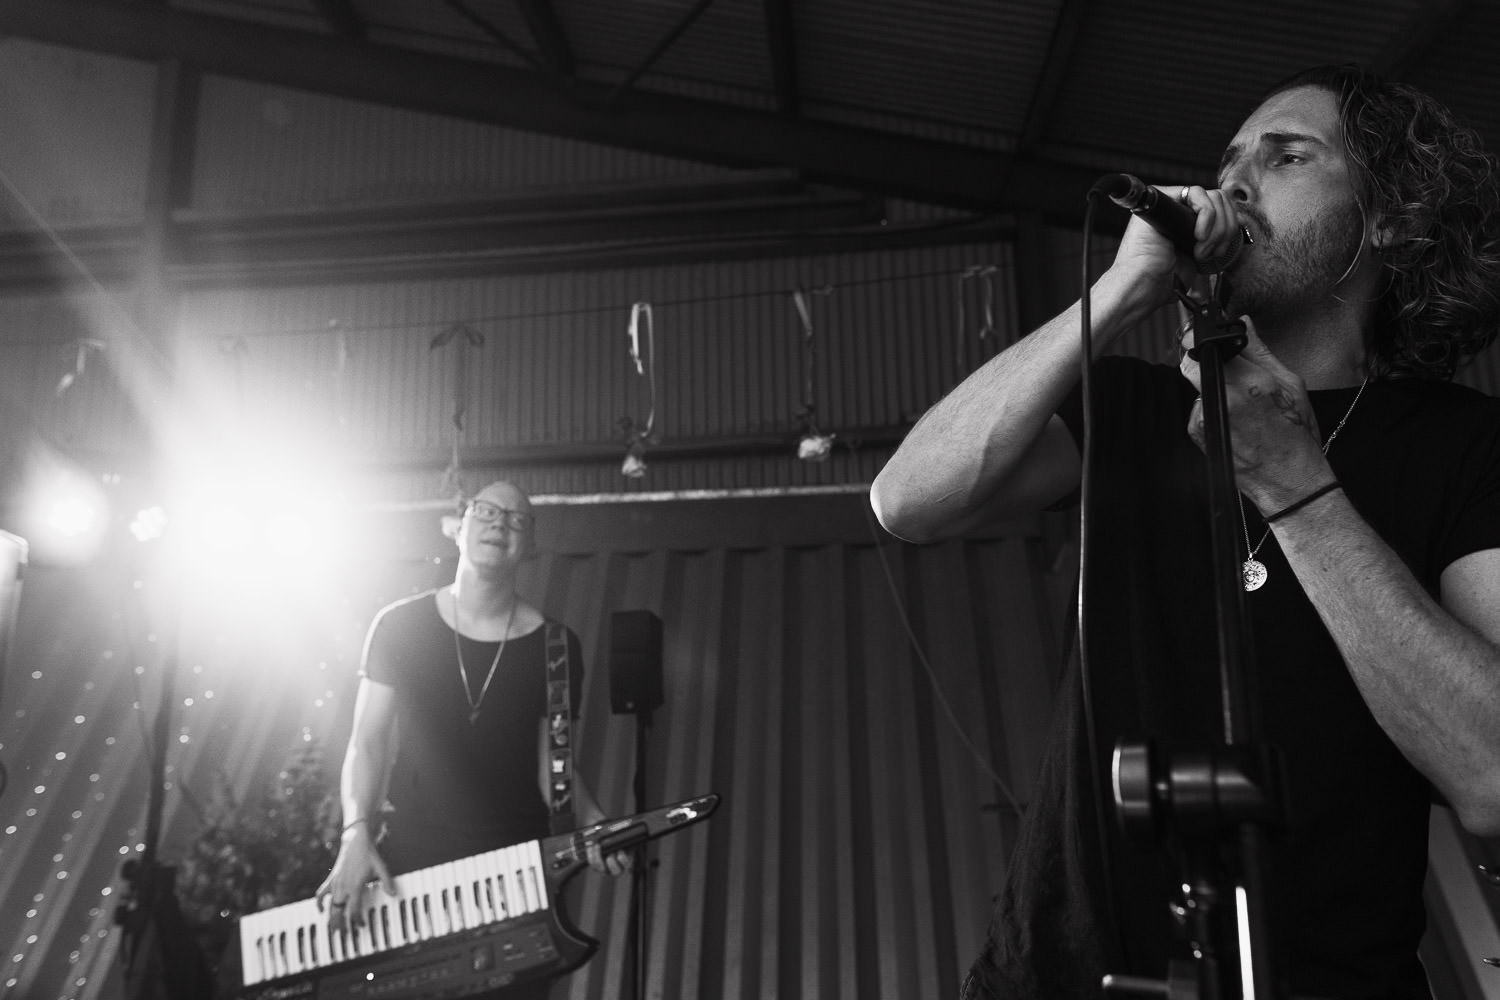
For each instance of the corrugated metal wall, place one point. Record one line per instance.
(860, 837)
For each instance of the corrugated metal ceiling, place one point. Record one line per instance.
(1068, 82)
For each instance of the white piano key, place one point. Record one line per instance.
(468, 878)
(486, 868)
(422, 904)
(515, 900)
(319, 944)
(532, 854)
(522, 882)
(408, 891)
(451, 920)
(383, 914)
(306, 916)
(448, 921)
(483, 892)
(252, 966)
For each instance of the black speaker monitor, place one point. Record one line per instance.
(635, 683)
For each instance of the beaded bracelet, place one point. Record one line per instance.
(1320, 491)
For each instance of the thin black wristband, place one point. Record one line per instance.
(1320, 491)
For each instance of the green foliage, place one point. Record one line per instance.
(276, 847)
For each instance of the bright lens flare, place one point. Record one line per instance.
(263, 535)
(149, 524)
(65, 513)
(73, 516)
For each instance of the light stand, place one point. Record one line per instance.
(161, 959)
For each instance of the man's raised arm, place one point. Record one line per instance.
(993, 447)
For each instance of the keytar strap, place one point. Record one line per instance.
(559, 731)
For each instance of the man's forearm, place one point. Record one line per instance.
(966, 459)
(360, 785)
(1431, 681)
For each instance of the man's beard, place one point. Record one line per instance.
(1290, 273)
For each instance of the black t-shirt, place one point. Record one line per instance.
(1420, 461)
(457, 788)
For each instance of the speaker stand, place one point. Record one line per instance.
(636, 931)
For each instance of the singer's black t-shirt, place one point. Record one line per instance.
(1420, 461)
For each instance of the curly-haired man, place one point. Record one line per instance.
(1371, 273)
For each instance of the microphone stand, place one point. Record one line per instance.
(1213, 804)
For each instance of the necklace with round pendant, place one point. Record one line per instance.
(1253, 572)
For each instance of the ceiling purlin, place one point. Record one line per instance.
(892, 164)
(500, 37)
(781, 43)
(1056, 65)
(1408, 48)
(343, 18)
(661, 47)
(547, 31)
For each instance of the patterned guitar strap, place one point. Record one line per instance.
(559, 731)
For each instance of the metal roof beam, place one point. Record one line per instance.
(893, 164)
(548, 34)
(498, 37)
(1056, 66)
(781, 44)
(342, 18)
(661, 47)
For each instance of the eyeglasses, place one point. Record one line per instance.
(488, 513)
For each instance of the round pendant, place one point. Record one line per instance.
(1254, 573)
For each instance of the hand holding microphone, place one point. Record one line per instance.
(1168, 216)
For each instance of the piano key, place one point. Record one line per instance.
(514, 901)
(468, 878)
(537, 866)
(450, 921)
(252, 965)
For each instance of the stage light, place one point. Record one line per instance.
(65, 512)
(149, 524)
(73, 516)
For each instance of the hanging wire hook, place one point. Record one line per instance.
(636, 436)
(986, 274)
(80, 361)
(467, 339)
(814, 445)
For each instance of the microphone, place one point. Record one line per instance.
(1167, 216)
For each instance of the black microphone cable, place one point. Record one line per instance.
(1085, 507)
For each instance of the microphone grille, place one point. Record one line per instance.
(1221, 263)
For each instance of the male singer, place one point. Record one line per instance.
(1370, 490)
